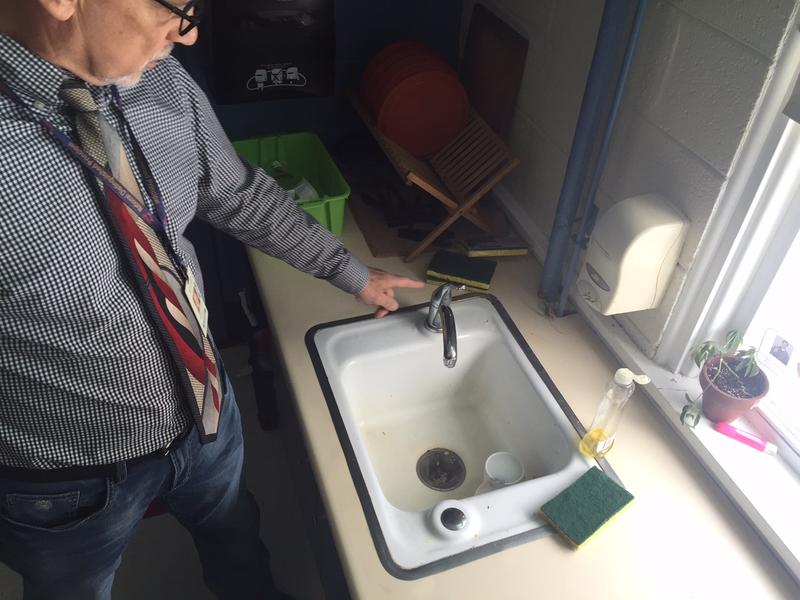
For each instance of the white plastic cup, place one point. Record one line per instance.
(499, 470)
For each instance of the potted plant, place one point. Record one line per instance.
(731, 380)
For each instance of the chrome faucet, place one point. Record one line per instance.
(440, 318)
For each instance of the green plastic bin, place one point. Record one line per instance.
(305, 155)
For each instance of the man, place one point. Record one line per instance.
(781, 350)
(111, 393)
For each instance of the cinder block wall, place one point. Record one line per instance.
(699, 73)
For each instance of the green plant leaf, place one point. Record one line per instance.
(705, 351)
(747, 365)
(740, 368)
(733, 341)
(690, 415)
(751, 369)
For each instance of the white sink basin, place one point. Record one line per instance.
(392, 400)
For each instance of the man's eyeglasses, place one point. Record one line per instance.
(189, 14)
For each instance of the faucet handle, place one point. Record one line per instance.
(443, 293)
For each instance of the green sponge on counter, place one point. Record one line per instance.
(587, 505)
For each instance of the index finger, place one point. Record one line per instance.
(404, 282)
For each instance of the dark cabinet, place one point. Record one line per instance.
(315, 518)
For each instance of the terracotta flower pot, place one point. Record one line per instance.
(719, 405)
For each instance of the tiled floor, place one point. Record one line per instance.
(161, 563)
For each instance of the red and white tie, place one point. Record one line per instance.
(160, 280)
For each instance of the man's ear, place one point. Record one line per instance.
(61, 10)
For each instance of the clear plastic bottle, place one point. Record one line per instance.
(600, 436)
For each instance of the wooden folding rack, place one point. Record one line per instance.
(458, 176)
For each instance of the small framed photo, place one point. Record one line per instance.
(776, 350)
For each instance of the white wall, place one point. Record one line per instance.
(696, 81)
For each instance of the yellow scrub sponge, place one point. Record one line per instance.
(456, 268)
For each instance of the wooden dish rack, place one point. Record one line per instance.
(459, 175)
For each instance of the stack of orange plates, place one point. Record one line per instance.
(415, 97)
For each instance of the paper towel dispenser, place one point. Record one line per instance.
(631, 255)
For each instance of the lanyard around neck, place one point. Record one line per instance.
(156, 220)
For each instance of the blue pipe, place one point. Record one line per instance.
(612, 37)
(590, 208)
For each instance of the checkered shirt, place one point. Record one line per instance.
(84, 377)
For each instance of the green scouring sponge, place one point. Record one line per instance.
(587, 505)
(457, 268)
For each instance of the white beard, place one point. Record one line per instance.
(126, 81)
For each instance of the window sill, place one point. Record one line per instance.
(749, 478)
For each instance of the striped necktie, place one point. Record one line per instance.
(153, 266)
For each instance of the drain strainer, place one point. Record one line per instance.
(441, 469)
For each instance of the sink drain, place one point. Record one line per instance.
(441, 469)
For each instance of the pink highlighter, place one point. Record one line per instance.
(746, 438)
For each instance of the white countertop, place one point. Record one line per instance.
(679, 538)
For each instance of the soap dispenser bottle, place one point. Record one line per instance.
(600, 437)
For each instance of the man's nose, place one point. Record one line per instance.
(187, 40)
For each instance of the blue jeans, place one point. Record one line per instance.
(67, 539)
